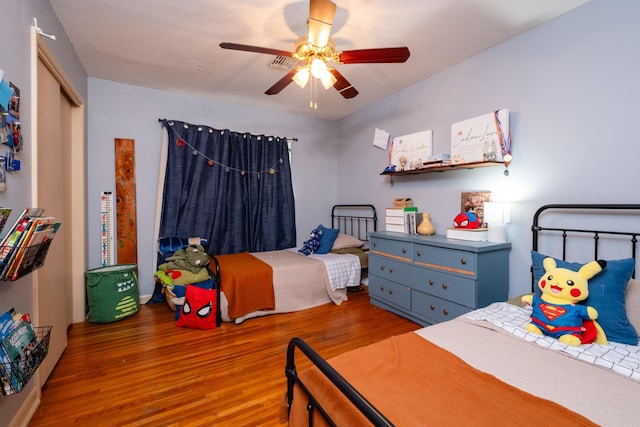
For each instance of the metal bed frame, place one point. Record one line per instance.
(565, 232)
(360, 402)
(356, 220)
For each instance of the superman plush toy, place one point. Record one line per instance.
(557, 311)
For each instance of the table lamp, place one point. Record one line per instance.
(497, 215)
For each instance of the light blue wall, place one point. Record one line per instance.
(16, 22)
(572, 89)
(122, 111)
(570, 86)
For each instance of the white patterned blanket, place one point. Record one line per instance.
(623, 359)
(343, 269)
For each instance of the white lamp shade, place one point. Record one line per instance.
(328, 80)
(496, 216)
(301, 77)
(497, 213)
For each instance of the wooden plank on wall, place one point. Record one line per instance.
(126, 225)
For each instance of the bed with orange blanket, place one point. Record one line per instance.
(263, 283)
(484, 368)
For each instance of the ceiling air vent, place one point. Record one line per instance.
(283, 63)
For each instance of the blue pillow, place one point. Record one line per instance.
(606, 294)
(329, 236)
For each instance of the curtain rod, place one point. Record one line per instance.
(288, 138)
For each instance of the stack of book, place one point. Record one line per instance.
(24, 246)
(402, 220)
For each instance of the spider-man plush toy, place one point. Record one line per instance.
(199, 308)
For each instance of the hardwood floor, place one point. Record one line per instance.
(146, 371)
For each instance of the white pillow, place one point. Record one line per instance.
(346, 241)
(632, 303)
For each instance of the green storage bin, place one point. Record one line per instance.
(112, 293)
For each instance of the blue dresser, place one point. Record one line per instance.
(430, 279)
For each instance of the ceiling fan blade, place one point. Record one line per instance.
(342, 85)
(282, 83)
(373, 56)
(257, 49)
(321, 13)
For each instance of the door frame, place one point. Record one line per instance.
(76, 247)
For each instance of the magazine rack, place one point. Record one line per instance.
(33, 259)
(15, 375)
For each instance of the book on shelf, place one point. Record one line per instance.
(410, 222)
(470, 234)
(18, 347)
(401, 220)
(395, 227)
(40, 231)
(28, 231)
(13, 236)
(394, 212)
(4, 216)
(6, 326)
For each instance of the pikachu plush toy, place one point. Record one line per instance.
(557, 312)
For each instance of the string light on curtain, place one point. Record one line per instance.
(182, 142)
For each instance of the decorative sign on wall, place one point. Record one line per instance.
(480, 139)
(411, 151)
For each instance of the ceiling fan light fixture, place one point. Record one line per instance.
(318, 68)
(328, 80)
(301, 77)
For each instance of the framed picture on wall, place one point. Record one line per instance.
(473, 201)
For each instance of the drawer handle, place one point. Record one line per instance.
(381, 288)
(463, 261)
(431, 282)
(432, 307)
(445, 312)
(382, 267)
(390, 270)
(404, 251)
(375, 244)
(390, 291)
(444, 286)
(418, 253)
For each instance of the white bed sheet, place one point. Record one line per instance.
(602, 395)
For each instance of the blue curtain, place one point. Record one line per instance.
(233, 189)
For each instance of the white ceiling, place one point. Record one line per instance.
(174, 45)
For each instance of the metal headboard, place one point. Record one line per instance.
(596, 234)
(356, 220)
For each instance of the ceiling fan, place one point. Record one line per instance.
(316, 50)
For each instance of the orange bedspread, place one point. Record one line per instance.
(247, 282)
(413, 382)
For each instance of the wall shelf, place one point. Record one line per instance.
(444, 168)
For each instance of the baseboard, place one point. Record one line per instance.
(28, 408)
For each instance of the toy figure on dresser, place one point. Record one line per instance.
(466, 220)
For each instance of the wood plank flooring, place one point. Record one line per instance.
(146, 371)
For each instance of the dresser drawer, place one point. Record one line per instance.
(393, 248)
(390, 292)
(448, 259)
(389, 268)
(434, 308)
(445, 285)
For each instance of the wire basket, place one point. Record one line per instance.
(15, 375)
